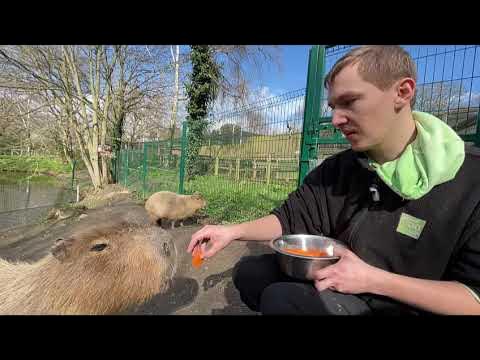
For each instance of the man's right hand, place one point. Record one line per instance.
(212, 239)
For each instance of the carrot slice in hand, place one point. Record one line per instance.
(196, 258)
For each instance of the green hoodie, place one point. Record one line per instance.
(434, 157)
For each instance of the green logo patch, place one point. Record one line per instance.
(410, 226)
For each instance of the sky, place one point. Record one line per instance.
(293, 72)
(438, 67)
(459, 64)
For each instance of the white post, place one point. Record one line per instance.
(78, 193)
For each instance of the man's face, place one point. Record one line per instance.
(364, 113)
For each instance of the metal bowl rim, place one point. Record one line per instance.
(280, 251)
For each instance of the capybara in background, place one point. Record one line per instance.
(166, 205)
(102, 266)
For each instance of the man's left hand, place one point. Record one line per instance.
(350, 275)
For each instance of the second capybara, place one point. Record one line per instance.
(166, 205)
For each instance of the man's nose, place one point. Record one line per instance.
(338, 118)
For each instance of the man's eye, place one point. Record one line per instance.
(349, 102)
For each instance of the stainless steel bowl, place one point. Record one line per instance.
(298, 266)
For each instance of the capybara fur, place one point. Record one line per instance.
(100, 267)
(166, 205)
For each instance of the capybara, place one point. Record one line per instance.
(100, 267)
(166, 205)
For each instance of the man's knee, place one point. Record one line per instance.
(284, 298)
(303, 299)
(252, 269)
(252, 275)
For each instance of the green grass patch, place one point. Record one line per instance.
(34, 164)
(230, 201)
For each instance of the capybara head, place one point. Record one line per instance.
(199, 201)
(113, 265)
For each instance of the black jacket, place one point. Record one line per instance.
(336, 200)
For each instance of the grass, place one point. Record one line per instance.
(229, 201)
(33, 165)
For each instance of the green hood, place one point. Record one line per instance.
(434, 157)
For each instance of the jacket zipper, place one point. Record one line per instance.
(373, 200)
(358, 219)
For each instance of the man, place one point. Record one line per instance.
(404, 202)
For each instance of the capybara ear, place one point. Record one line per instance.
(197, 196)
(61, 248)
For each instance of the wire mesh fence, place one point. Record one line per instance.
(448, 83)
(249, 157)
(148, 167)
(28, 202)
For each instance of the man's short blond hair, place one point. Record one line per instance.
(380, 65)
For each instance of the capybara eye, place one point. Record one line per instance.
(98, 247)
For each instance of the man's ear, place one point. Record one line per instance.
(405, 91)
(61, 250)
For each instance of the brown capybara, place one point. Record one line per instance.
(98, 269)
(166, 205)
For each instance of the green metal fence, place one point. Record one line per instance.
(148, 167)
(448, 86)
(249, 158)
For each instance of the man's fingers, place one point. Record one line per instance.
(323, 273)
(323, 284)
(198, 236)
(209, 251)
(339, 250)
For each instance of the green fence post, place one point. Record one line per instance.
(117, 165)
(183, 155)
(125, 168)
(313, 101)
(477, 136)
(144, 170)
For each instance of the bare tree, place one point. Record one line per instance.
(89, 89)
(239, 65)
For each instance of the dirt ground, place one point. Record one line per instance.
(208, 290)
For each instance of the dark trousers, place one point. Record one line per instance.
(264, 288)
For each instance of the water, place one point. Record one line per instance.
(27, 200)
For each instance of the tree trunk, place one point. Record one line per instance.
(173, 124)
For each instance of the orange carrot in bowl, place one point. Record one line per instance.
(313, 253)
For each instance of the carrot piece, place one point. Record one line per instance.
(196, 258)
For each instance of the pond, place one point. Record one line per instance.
(27, 199)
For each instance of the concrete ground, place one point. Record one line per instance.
(205, 291)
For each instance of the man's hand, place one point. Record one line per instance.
(350, 275)
(215, 236)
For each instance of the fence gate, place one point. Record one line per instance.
(448, 86)
(148, 167)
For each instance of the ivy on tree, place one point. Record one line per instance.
(201, 91)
